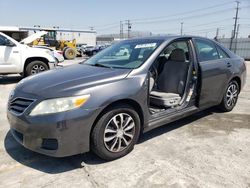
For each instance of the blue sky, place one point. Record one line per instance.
(105, 15)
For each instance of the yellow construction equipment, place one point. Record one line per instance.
(49, 39)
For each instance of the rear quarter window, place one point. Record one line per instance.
(222, 53)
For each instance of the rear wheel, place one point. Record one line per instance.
(230, 97)
(35, 67)
(116, 133)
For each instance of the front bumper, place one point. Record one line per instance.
(58, 135)
(53, 65)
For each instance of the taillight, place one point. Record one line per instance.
(60, 52)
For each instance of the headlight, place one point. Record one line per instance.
(59, 105)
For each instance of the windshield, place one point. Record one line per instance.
(126, 54)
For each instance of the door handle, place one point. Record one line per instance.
(229, 64)
(15, 52)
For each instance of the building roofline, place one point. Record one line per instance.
(57, 29)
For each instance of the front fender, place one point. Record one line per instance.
(131, 88)
(29, 52)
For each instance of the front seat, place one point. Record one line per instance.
(171, 81)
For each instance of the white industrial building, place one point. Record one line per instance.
(82, 36)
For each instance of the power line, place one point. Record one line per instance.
(190, 17)
(108, 28)
(198, 16)
(210, 23)
(167, 16)
(209, 29)
(106, 25)
(192, 26)
(188, 12)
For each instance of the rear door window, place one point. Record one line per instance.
(206, 50)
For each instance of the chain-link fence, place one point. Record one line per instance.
(240, 46)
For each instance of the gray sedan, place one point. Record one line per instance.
(107, 102)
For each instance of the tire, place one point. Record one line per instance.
(116, 142)
(35, 67)
(230, 97)
(82, 53)
(69, 53)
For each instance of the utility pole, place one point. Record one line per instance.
(217, 34)
(128, 23)
(235, 24)
(236, 41)
(237, 32)
(121, 30)
(181, 28)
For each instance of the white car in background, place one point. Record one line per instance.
(57, 53)
(17, 58)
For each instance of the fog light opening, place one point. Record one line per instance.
(49, 144)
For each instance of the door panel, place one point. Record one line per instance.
(214, 73)
(10, 57)
(214, 76)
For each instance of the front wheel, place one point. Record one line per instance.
(35, 67)
(230, 97)
(69, 53)
(116, 133)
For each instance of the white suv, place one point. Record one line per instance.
(22, 59)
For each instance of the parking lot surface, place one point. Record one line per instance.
(208, 149)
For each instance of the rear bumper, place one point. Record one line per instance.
(58, 135)
(244, 76)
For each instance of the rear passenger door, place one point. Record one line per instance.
(214, 73)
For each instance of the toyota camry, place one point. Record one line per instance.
(105, 103)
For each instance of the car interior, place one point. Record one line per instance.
(169, 75)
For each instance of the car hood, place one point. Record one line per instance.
(33, 37)
(71, 80)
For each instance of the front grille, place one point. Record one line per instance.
(19, 105)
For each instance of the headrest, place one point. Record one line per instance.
(177, 55)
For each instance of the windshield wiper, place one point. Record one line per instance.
(101, 65)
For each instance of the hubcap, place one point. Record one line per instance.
(37, 68)
(232, 94)
(119, 132)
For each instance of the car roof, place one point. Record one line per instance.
(174, 37)
(168, 37)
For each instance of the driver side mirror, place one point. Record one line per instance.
(9, 43)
